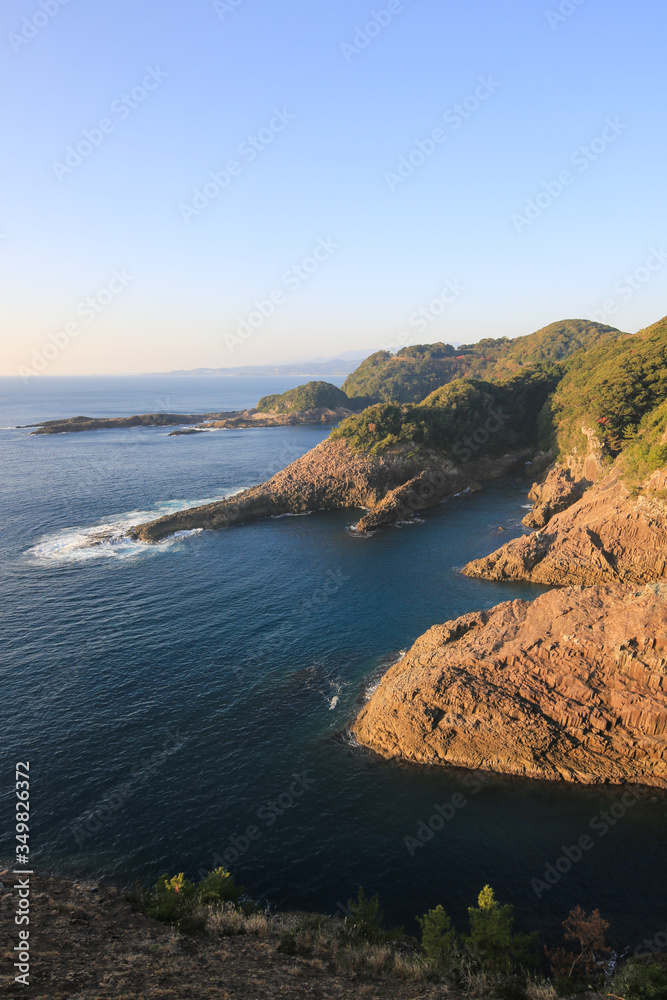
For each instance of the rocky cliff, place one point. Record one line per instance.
(558, 492)
(607, 535)
(332, 475)
(570, 686)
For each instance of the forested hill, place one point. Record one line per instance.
(414, 372)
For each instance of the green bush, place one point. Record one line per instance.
(175, 900)
(438, 935)
(490, 931)
(637, 981)
(366, 920)
(287, 944)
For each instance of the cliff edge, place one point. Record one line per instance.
(570, 686)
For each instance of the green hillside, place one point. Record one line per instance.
(312, 396)
(563, 378)
(467, 418)
(611, 388)
(414, 372)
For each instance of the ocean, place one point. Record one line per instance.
(188, 704)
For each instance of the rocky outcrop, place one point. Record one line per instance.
(202, 421)
(570, 686)
(332, 475)
(71, 425)
(270, 418)
(558, 492)
(608, 535)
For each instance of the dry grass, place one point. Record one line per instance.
(540, 989)
(227, 921)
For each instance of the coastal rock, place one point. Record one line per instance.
(558, 492)
(570, 686)
(608, 535)
(202, 421)
(331, 476)
(269, 418)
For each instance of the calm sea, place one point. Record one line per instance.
(166, 696)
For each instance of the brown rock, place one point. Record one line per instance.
(558, 492)
(608, 535)
(570, 686)
(332, 476)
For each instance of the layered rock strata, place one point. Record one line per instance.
(608, 535)
(570, 686)
(332, 475)
(558, 492)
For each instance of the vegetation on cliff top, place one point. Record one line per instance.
(312, 396)
(466, 418)
(614, 389)
(491, 959)
(414, 372)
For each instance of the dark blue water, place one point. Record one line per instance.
(167, 695)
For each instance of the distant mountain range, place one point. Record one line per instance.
(330, 369)
(339, 367)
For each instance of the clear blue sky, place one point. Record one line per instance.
(326, 176)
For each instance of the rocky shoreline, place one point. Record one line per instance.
(332, 476)
(196, 421)
(571, 686)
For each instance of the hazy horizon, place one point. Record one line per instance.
(238, 184)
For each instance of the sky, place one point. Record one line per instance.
(228, 182)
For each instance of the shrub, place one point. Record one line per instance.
(219, 887)
(172, 900)
(366, 920)
(637, 981)
(490, 930)
(585, 934)
(287, 945)
(438, 935)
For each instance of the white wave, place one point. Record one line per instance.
(277, 517)
(109, 539)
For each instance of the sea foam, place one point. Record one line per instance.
(108, 539)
